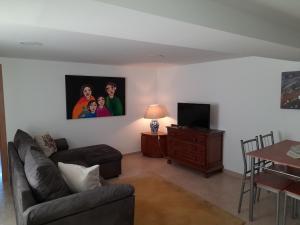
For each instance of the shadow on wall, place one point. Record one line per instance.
(164, 122)
(281, 136)
(214, 115)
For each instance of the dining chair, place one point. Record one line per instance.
(247, 146)
(267, 181)
(292, 191)
(265, 141)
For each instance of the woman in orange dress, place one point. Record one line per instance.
(81, 106)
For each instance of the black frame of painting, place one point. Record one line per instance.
(94, 96)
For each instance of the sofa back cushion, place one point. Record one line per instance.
(22, 193)
(21, 136)
(23, 142)
(44, 177)
(23, 148)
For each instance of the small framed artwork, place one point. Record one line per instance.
(91, 97)
(290, 90)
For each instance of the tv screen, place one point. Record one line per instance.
(193, 115)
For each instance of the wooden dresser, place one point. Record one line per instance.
(200, 149)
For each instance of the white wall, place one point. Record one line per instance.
(35, 101)
(244, 93)
(245, 98)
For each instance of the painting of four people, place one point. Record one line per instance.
(89, 97)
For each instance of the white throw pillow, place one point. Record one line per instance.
(46, 143)
(80, 178)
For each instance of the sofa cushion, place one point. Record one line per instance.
(61, 144)
(43, 176)
(23, 148)
(101, 154)
(22, 142)
(21, 136)
(80, 178)
(88, 156)
(46, 143)
(20, 189)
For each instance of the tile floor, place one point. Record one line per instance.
(221, 189)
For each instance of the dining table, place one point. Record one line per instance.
(276, 153)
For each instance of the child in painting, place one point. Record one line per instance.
(81, 106)
(113, 103)
(102, 110)
(92, 107)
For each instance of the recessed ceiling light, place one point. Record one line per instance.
(31, 43)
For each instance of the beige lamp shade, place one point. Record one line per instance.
(155, 111)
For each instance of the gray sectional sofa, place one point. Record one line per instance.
(107, 205)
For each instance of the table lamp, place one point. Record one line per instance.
(155, 112)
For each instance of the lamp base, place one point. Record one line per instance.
(154, 125)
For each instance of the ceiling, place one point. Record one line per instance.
(122, 32)
(88, 48)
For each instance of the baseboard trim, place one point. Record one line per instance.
(132, 153)
(232, 173)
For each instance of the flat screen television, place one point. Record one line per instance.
(193, 115)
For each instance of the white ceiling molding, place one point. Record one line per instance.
(270, 20)
(96, 32)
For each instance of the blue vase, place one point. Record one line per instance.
(154, 125)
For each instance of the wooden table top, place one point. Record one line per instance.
(277, 153)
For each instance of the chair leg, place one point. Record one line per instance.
(258, 194)
(294, 208)
(278, 209)
(284, 210)
(254, 194)
(242, 193)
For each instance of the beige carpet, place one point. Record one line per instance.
(159, 202)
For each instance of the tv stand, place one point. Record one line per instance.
(201, 149)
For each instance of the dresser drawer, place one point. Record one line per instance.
(187, 152)
(188, 137)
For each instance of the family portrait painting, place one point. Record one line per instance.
(90, 96)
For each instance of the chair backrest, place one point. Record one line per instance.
(249, 146)
(266, 140)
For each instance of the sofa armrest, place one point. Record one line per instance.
(73, 204)
(61, 144)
